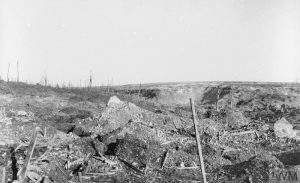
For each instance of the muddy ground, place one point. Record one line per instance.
(249, 133)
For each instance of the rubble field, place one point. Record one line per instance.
(250, 132)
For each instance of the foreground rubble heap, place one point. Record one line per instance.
(128, 143)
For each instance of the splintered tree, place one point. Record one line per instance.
(140, 88)
(18, 71)
(218, 97)
(46, 80)
(231, 96)
(107, 86)
(91, 80)
(7, 77)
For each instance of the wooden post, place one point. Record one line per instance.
(32, 145)
(80, 177)
(198, 141)
(2, 174)
(46, 179)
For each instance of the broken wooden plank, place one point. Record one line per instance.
(187, 168)
(131, 166)
(242, 133)
(165, 159)
(32, 145)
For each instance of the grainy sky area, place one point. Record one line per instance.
(133, 41)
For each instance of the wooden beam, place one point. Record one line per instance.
(198, 140)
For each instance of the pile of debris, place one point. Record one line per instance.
(128, 143)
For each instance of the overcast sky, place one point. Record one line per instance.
(133, 41)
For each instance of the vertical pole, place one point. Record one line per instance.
(231, 97)
(46, 80)
(18, 71)
(91, 80)
(218, 97)
(7, 77)
(46, 179)
(2, 174)
(198, 141)
(139, 93)
(80, 177)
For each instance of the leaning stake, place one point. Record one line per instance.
(198, 141)
(2, 174)
(32, 145)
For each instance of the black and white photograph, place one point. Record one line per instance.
(149, 91)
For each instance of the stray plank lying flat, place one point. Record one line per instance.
(242, 133)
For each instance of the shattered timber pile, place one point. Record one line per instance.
(62, 135)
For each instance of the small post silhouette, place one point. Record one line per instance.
(91, 80)
(18, 71)
(7, 77)
(218, 98)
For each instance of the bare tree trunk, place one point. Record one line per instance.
(7, 77)
(231, 97)
(91, 80)
(46, 80)
(139, 94)
(18, 71)
(218, 97)
(107, 86)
